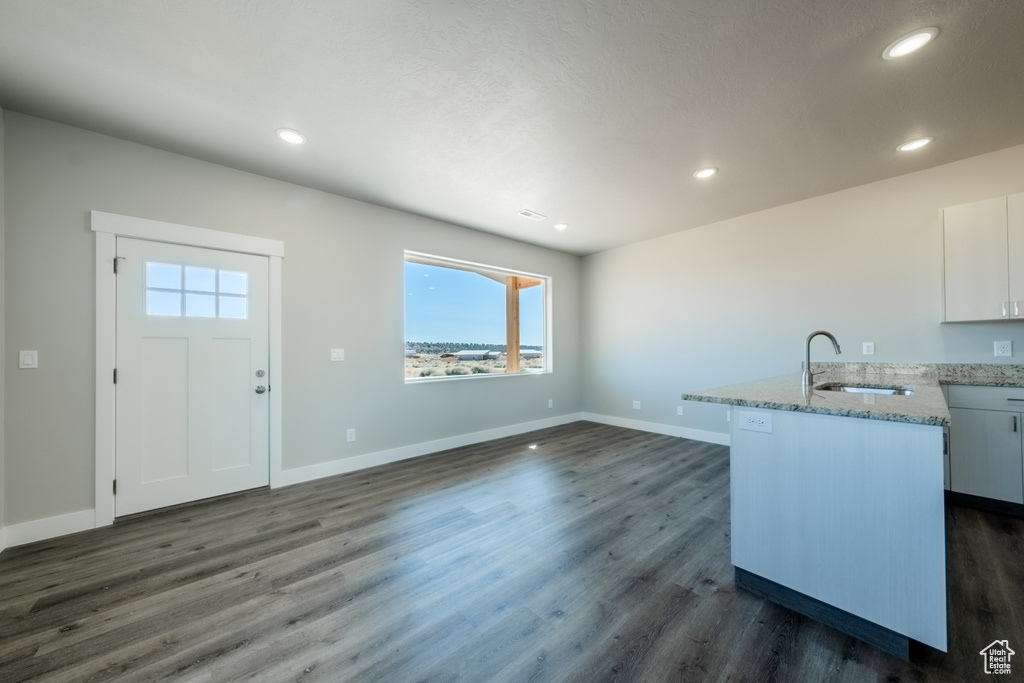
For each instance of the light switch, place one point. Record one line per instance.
(28, 360)
(337, 354)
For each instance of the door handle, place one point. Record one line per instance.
(261, 389)
(1014, 423)
(1005, 307)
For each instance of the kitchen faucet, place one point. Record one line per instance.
(808, 377)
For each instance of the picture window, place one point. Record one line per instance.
(467, 320)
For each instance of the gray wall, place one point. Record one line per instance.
(734, 301)
(342, 288)
(3, 348)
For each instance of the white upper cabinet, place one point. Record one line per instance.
(1015, 248)
(983, 249)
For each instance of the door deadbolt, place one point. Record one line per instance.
(260, 373)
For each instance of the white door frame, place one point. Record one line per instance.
(108, 227)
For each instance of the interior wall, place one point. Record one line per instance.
(735, 301)
(3, 348)
(343, 288)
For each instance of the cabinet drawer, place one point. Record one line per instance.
(1010, 399)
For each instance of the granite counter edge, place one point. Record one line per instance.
(868, 414)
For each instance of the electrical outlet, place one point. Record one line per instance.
(728, 416)
(679, 410)
(755, 422)
(551, 403)
(868, 349)
(1003, 348)
(636, 405)
(337, 355)
(28, 360)
(350, 435)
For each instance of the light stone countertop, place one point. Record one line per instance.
(927, 405)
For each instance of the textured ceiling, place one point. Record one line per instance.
(594, 113)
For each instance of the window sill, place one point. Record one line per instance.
(481, 375)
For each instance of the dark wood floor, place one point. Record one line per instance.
(600, 555)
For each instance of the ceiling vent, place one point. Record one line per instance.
(532, 215)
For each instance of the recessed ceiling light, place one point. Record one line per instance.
(914, 40)
(914, 144)
(561, 226)
(705, 172)
(292, 136)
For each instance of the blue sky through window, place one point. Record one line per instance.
(448, 305)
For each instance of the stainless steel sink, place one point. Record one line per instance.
(852, 389)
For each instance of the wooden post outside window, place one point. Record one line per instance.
(512, 324)
(513, 283)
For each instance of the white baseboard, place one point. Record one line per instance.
(720, 438)
(49, 527)
(334, 467)
(3, 538)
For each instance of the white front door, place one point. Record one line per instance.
(192, 404)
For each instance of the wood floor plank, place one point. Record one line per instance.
(493, 651)
(601, 554)
(624, 654)
(581, 625)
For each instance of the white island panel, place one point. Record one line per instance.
(848, 511)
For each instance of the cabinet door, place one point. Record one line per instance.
(985, 454)
(1015, 243)
(975, 257)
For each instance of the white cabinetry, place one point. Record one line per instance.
(983, 256)
(986, 451)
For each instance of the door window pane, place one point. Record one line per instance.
(163, 303)
(234, 307)
(233, 283)
(200, 305)
(205, 292)
(163, 276)
(200, 280)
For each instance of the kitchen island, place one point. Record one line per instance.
(837, 502)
